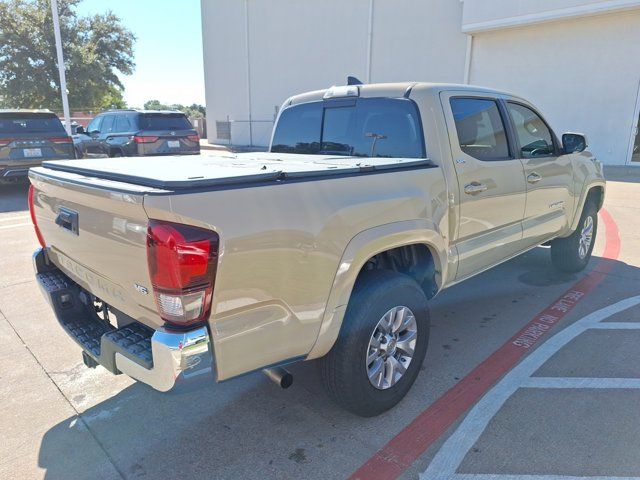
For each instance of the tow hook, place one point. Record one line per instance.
(88, 361)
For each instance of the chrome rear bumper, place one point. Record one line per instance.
(159, 358)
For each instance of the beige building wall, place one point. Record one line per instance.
(582, 73)
(259, 52)
(575, 59)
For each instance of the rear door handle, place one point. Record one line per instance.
(474, 188)
(534, 178)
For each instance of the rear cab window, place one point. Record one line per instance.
(164, 121)
(27, 123)
(362, 127)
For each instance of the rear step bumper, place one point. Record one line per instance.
(158, 358)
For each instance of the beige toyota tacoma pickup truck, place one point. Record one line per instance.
(370, 201)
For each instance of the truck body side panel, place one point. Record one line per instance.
(281, 248)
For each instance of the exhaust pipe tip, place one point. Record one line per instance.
(279, 376)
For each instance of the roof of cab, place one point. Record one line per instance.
(394, 90)
(140, 110)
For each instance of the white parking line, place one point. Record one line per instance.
(448, 459)
(490, 476)
(15, 225)
(14, 217)
(574, 382)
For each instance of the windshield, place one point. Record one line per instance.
(363, 127)
(164, 121)
(23, 123)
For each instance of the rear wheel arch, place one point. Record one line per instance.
(416, 260)
(384, 242)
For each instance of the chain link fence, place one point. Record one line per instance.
(240, 132)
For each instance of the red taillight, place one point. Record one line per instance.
(194, 138)
(60, 140)
(147, 139)
(32, 192)
(6, 141)
(182, 264)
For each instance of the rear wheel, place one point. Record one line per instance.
(572, 254)
(381, 346)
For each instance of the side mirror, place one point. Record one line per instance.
(79, 129)
(574, 143)
(93, 132)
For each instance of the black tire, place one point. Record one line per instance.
(565, 252)
(116, 154)
(344, 369)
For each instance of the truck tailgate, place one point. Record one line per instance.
(97, 236)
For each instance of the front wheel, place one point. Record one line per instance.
(572, 254)
(381, 346)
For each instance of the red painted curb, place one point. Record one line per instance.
(398, 455)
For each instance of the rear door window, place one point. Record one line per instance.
(22, 123)
(480, 128)
(123, 124)
(108, 124)
(363, 127)
(164, 121)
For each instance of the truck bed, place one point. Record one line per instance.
(178, 172)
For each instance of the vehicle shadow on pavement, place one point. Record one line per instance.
(249, 428)
(13, 197)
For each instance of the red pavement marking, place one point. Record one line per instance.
(398, 455)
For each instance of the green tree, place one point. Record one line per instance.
(96, 49)
(192, 111)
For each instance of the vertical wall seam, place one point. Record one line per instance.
(635, 125)
(247, 39)
(369, 41)
(468, 59)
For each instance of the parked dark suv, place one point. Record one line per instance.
(27, 137)
(129, 133)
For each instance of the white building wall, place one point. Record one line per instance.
(583, 74)
(482, 15)
(417, 40)
(224, 57)
(300, 45)
(575, 59)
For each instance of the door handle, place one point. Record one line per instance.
(67, 219)
(474, 188)
(534, 178)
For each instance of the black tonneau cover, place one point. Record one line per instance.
(193, 171)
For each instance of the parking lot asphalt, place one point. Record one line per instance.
(483, 408)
